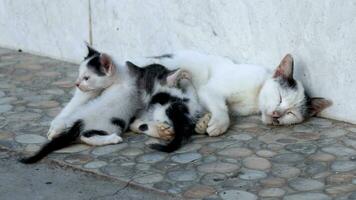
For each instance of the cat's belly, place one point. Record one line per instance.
(244, 103)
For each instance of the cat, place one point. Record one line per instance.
(245, 89)
(105, 100)
(170, 100)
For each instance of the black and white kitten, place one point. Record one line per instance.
(170, 99)
(105, 100)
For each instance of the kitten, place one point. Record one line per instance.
(103, 104)
(245, 89)
(170, 101)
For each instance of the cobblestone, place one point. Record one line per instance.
(310, 161)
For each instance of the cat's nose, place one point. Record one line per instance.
(276, 114)
(77, 84)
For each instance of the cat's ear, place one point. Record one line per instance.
(172, 77)
(134, 69)
(317, 105)
(107, 64)
(91, 51)
(285, 68)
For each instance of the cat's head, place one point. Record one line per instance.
(151, 75)
(96, 72)
(283, 100)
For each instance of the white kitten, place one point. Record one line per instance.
(245, 89)
(101, 109)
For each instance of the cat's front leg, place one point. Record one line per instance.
(59, 122)
(216, 105)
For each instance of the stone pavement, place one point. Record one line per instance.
(315, 160)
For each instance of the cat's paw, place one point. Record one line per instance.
(202, 124)
(181, 78)
(116, 139)
(165, 131)
(218, 125)
(57, 127)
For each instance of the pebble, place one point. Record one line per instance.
(237, 195)
(285, 171)
(151, 157)
(266, 153)
(302, 184)
(199, 192)
(186, 157)
(104, 150)
(235, 152)
(213, 179)
(218, 167)
(333, 132)
(337, 179)
(242, 137)
(324, 157)
(303, 148)
(308, 196)
(182, 175)
(271, 192)
(341, 189)
(288, 158)
(273, 182)
(44, 104)
(131, 151)
(149, 179)
(78, 159)
(95, 164)
(30, 139)
(257, 163)
(343, 166)
(249, 174)
(339, 150)
(5, 108)
(74, 148)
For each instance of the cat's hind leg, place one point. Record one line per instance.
(216, 104)
(100, 138)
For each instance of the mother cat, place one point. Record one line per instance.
(245, 89)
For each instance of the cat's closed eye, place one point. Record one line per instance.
(290, 113)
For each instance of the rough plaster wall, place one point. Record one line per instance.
(53, 28)
(321, 34)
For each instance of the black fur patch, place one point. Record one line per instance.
(91, 52)
(91, 133)
(95, 66)
(183, 127)
(164, 98)
(119, 122)
(148, 75)
(288, 83)
(168, 55)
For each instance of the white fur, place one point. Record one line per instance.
(118, 98)
(224, 86)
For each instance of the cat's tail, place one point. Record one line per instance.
(63, 140)
(183, 127)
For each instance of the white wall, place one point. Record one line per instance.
(321, 34)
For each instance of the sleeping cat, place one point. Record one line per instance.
(105, 100)
(244, 89)
(170, 100)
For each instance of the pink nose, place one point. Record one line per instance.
(77, 84)
(275, 114)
